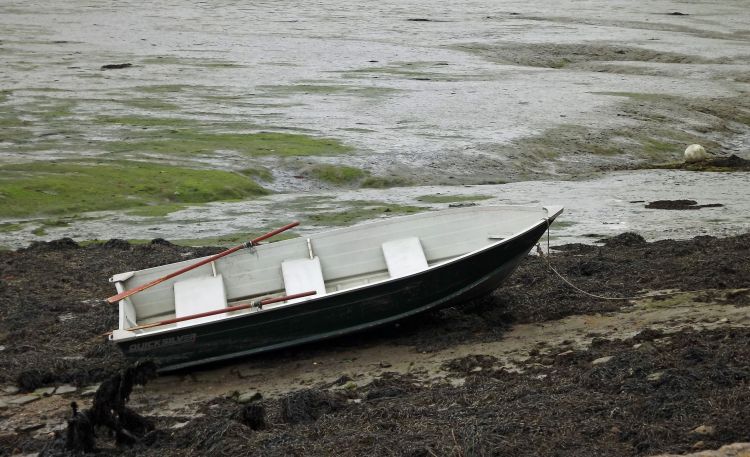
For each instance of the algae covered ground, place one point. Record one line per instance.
(69, 188)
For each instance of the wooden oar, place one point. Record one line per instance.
(255, 303)
(134, 290)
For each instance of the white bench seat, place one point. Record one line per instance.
(199, 295)
(404, 257)
(302, 275)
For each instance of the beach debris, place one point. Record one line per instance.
(108, 410)
(253, 415)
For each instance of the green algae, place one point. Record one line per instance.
(67, 187)
(187, 61)
(9, 227)
(156, 210)
(338, 174)
(258, 172)
(439, 198)
(359, 211)
(193, 141)
(325, 89)
(384, 182)
(149, 104)
(145, 121)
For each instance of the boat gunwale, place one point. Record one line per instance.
(551, 215)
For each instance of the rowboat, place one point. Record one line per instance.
(261, 297)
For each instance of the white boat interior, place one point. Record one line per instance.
(328, 263)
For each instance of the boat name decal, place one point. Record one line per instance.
(170, 341)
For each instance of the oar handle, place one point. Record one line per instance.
(135, 290)
(256, 303)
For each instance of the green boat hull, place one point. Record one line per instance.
(332, 315)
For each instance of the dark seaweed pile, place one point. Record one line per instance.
(658, 393)
(643, 401)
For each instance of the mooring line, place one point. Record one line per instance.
(547, 256)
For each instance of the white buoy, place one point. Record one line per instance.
(695, 153)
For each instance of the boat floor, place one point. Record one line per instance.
(344, 284)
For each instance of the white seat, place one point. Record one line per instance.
(404, 257)
(198, 295)
(302, 275)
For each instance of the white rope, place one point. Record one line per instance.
(547, 256)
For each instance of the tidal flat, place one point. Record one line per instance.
(332, 99)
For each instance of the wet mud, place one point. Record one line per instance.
(646, 394)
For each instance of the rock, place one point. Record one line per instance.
(3, 404)
(179, 425)
(730, 450)
(10, 390)
(116, 66)
(601, 360)
(246, 373)
(384, 365)
(476, 369)
(705, 430)
(646, 347)
(698, 445)
(249, 397)
(563, 355)
(695, 153)
(655, 377)
(29, 428)
(66, 389)
(351, 385)
(44, 391)
(22, 400)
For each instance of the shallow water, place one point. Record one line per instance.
(594, 209)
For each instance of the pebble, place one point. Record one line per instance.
(655, 377)
(602, 360)
(706, 430)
